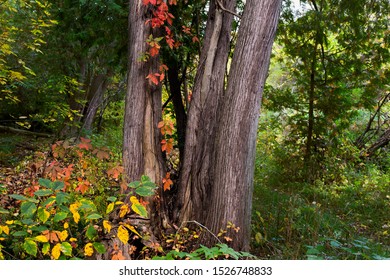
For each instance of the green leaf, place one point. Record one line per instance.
(43, 192)
(48, 201)
(145, 178)
(45, 182)
(99, 247)
(19, 197)
(43, 214)
(134, 184)
(58, 185)
(62, 197)
(59, 216)
(46, 248)
(91, 233)
(140, 210)
(112, 198)
(145, 191)
(28, 208)
(30, 247)
(3, 211)
(66, 248)
(20, 233)
(94, 216)
(27, 222)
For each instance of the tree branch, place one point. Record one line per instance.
(221, 7)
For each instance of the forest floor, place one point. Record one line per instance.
(308, 222)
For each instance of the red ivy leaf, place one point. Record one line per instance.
(153, 78)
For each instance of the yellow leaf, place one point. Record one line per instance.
(130, 227)
(123, 234)
(110, 207)
(107, 226)
(41, 238)
(76, 217)
(72, 239)
(5, 229)
(63, 235)
(66, 225)
(124, 210)
(88, 249)
(9, 222)
(73, 208)
(56, 251)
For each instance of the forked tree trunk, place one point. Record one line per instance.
(217, 176)
(196, 175)
(216, 180)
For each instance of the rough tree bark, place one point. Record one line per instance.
(196, 176)
(215, 184)
(231, 197)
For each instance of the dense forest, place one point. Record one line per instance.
(178, 129)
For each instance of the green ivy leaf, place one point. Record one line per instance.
(43, 214)
(58, 185)
(45, 183)
(94, 216)
(66, 248)
(43, 192)
(46, 248)
(139, 209)
(30, 247)
(62, 198)
(99, 247)
(23, 198)
(3, 211)
(28, 208)
(91, 233)
(59, 216)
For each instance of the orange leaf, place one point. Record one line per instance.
(167, 182)
(153, 78)
(85, 143)
(115, 171)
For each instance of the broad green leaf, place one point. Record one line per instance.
(134, 184)
(45, 182)
(23, 198)
(62, 197)
(45, 248)
(145, 178)
(94, 216)
(139, 209)
(27, 222)
(30, 247)
(112, 198)
(28, 208)
(99, 247)
(145, 191)
(59, 216)
(20, 233)
(58, 185)
(66, 248)
(19, 197)
(43, 214)
(91, 232)
(43, 192)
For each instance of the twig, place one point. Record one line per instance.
(220, 5)
(202, 226)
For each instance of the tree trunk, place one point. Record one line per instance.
(196, 176)
(231, 197)
(95, 97)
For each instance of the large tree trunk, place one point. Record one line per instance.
(196, 177)
(231, 197)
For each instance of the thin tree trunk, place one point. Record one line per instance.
(96, 91)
